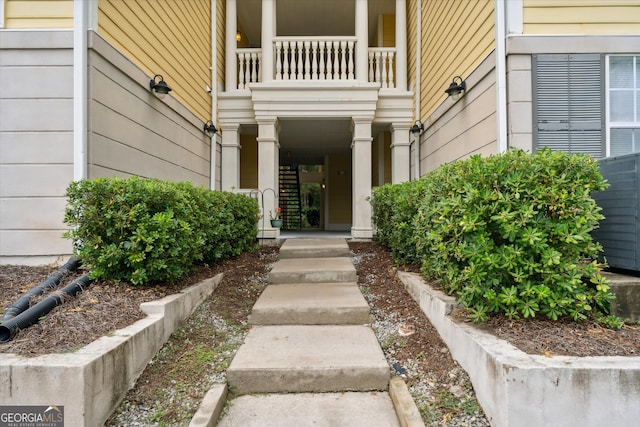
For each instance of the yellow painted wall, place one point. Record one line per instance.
(248, 161)
(388, 30)
(339, 189)
(581, 17)
(220, 48)
(172, 38)
(411, 43)
(457, 35)
(38, 13)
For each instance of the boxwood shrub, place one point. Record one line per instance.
(148, 230)
(506, 233)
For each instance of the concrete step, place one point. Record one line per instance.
(313, 270)
(311, 304)
(308, 358)
(314, 248)
(370, 409)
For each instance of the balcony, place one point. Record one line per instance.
(316, 58)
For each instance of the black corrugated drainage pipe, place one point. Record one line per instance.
(52, 281)
(31, 316)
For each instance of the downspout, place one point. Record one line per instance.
(501, 77)
(214, 91)
(418, 87)
(80, 87)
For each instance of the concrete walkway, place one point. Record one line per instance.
(311, 357)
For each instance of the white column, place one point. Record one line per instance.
(230, 157)
(361, 170)
(400, 153)
(268, 165)
(362, 39)
(268, 32)
(401, 44)
(231, 61)
(80, 89)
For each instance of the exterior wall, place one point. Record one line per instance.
(38, 14)
(168, 38)
(248, 161)
(466, 127)
(339, 193)
(452, 45)
(220, 47)
(581, 17)
(36, 144)
(411, 43)
(134, 133)
(519, 102)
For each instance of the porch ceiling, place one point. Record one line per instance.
(309, 17)
(307, 141)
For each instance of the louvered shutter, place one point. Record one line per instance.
(568, 103)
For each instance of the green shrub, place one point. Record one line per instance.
(511, 233)
(147, 230)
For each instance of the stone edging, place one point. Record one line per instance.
(518, 389)
(91, 382)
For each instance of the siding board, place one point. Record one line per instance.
(168, 38)
(38, 14)
(453, 46)
(581, 17)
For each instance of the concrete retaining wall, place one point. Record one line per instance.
(518, 389)
(91, 382)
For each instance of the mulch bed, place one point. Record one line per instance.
(104, 307)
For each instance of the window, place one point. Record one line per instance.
(568, 103)
(623, 105)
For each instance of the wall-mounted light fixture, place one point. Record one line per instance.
(417, 127)
(456, 87)
(159, 88)
(238, 36)
(210, 129)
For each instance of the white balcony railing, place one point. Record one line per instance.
(249, 71)
(315, 58)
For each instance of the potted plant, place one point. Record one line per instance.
(276, 221)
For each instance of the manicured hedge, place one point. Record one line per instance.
(148, 230)
(507, 233)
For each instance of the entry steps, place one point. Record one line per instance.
(311, 357)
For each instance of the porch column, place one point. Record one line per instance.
(400, 153)
(362, 39)
(268, 32)
(401, 44)
(361, 169)
(230, 157)
(231, 61)
(268, 166)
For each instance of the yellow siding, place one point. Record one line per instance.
(38, 13)
(172, 38)
(411, 43)
(220, 48)
(581, 17)
(457, 35)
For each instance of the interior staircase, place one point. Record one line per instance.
(290, 199)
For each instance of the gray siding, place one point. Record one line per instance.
(134, 133)
(36, 143)
(468, 127)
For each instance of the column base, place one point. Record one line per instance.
(269, 233)
(362, 233)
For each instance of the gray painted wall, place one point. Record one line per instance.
(468, 126)
(131, 132)
(36, 144)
